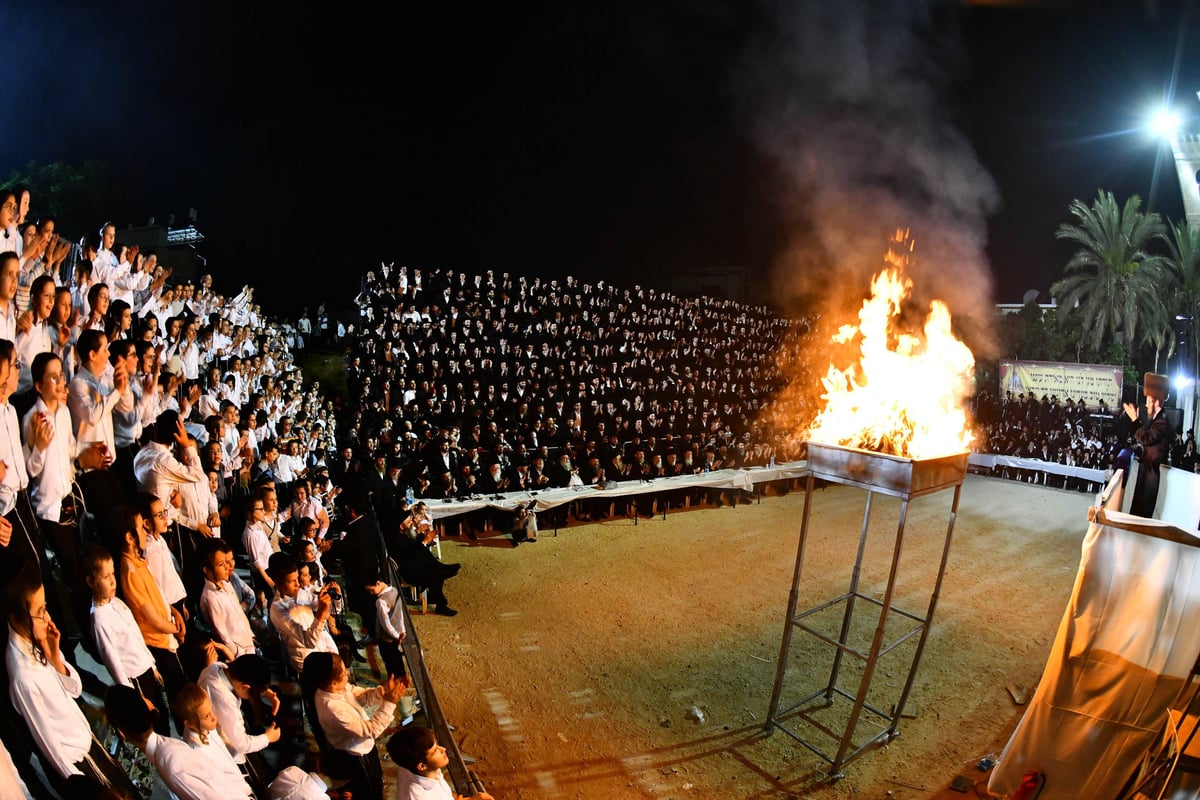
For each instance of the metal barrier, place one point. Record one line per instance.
(464, 780)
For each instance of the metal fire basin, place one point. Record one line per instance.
(880, 472)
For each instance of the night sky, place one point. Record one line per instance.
(627, 140)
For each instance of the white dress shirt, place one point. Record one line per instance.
(223, 778)
(93, 420)
(192, 774)
(389, 610)
(220, 607)
(296, 623)
(411, 786)
(258, 545)
(46, 699)
(36, 340)
(293, 783)
(13, 788)
(8, 322)
(120, 641)
(162, 566)
(159, 473)
(51, 470)
(344, 718)
(16, 476)
(227, 707)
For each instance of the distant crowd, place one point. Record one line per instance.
(476, 384)
(1062, 432)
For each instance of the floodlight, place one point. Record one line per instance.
(1165, 123)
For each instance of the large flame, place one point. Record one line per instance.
(907, 393)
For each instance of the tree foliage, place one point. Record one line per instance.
(1115, 279)
(79, 197)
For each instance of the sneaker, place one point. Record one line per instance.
(445, 611)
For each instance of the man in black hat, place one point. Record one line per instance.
(1151, 434)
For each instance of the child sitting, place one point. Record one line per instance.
(219, 602)
(221, 774)
(118, 638)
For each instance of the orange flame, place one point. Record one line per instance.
(906, 395)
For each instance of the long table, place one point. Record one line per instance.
(744, 478)
(989, 461)
(551, 498)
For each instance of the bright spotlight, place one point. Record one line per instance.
(1165, 123)
(1182, 382)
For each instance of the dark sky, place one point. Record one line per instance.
(629, 141)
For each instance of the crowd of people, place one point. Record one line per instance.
(477, 384)
(1067, 432)
(155, 433)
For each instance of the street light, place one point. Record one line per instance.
(1168, 123)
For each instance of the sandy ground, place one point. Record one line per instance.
(574, 665)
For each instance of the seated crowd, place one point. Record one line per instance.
(152, 435)
(478, 384)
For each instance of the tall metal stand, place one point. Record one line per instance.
(882, 474)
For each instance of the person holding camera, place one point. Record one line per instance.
(1151, 435)
(302, 623)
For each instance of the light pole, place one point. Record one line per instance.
(1186, 149)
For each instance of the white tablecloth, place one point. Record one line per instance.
(989, 461)
(550, 498)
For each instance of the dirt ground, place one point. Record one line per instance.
(574, 665)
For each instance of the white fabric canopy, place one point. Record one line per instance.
(1125, 647)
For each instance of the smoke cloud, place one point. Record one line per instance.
(850, 98)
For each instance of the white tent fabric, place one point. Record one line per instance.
(1125, 647)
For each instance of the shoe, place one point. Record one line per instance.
(531, 539)
(445, 611)
(452, 570)
(516, 543)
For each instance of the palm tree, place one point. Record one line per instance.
(1115, 280)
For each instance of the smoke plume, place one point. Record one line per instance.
(850, 97)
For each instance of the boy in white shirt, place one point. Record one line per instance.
(187, 773)
(43, 688)
(222, 776)
(158, 553)
(219, 603)
(389, 620)
(419, 761)
(118, 638)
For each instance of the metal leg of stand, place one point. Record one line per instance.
(793, 597)
(852, 596)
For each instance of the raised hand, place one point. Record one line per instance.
(43, 431)
(393, 688)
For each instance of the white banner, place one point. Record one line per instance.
(1088, 382)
